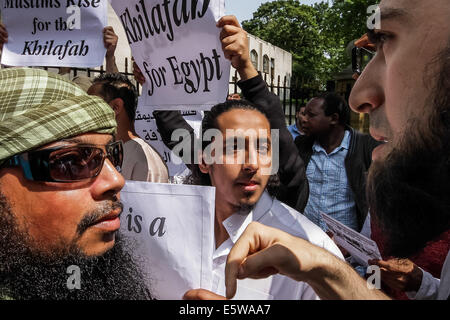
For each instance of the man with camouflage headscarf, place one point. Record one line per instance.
(59, 193)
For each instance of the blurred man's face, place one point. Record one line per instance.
(299, 118)
(315, 122)
(56, 216)
(243, 176)
(397, 85)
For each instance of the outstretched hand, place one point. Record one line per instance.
(202, 294)
(262, 251)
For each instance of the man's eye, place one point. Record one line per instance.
(263, 149)
(67, 157)
(378, 38)
(231, 147)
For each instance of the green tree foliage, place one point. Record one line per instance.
(316, 36)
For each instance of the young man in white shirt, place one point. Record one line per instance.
(141, 162)
(238, 162)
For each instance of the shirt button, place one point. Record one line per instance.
(229, 224)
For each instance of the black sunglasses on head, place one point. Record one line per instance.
(360, 59)
(67, 163)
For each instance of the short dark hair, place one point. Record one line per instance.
(298, 107)
(210, 122)
(210, 119)
(117, 85)
(334, 103)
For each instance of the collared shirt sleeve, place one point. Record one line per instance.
(428, 289)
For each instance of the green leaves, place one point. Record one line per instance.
(316, 36)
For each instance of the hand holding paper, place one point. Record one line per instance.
(3, 35)
(358, 246)
(399, 274)
(110, 39)
(181, 59)
(138, 76)
(235, 46)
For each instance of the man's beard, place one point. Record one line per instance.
(27, 274)
(245, 208)
(409, 192)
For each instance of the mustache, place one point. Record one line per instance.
(91, 217)
(378, 120)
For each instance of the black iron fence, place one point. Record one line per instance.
(292, 94)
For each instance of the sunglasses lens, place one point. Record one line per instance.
(365, 58)
(115, 154)
(355, 65)
(77, 163)
(360, 59)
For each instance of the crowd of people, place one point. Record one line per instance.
(61, 145)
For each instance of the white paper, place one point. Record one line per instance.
(41, 36)
(178, 51)
(145, 126)
(247, 289)
(173, 226)
(360, 247)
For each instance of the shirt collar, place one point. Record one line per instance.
(236, 224)
(345, 144)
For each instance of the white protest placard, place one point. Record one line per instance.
(360, 247)
(173, 226)
(145, 126)
(60, 33)
(177, 47)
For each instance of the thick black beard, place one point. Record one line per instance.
(409, 192)
(27, 274)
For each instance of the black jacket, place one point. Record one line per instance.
(294, 189)
(357, 163)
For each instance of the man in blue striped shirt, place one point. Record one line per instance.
(337, 158)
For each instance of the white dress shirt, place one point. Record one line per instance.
(273, 213)
(141, 162)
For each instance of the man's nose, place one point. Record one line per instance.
(251, 160)
(367, 93)
(108, 183)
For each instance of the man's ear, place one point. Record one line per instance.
(204, 168)
(117, 105)
(334, 118)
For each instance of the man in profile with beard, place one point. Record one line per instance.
(59, 193)
(405, 90)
